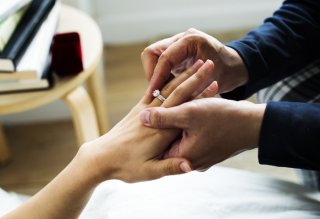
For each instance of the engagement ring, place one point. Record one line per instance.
(157, 94)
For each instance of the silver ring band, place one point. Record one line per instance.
(157, 94)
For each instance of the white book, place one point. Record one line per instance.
(35, 59)
(8, 7)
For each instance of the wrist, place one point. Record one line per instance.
(87, 163)
(254, 117)
(234, 73)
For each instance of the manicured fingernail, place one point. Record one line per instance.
(145, 117)
(185, 167)
(213, 86)
(198, 64)
(208, 63)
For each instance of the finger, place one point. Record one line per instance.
(175, 149)
(173, 84)
(189, 88)
(159, 117)
(185, 64)
(173, 55)
(210, 91)
(151, 54)
(149, 59)
(155, 101)
(171, 166)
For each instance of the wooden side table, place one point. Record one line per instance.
(88, 110)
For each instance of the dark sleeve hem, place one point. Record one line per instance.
(289, 135)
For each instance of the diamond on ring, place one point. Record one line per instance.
(157, 94)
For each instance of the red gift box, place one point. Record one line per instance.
(67, 54)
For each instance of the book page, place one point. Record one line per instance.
(9, 7)
(36, 55)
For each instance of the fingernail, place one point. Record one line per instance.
(198, 63)
(145, 117)
(185, 167)
(207, 65)
(213, 86)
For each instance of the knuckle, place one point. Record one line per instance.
(197, 41)
(179, 93)
(195, 38)
(200, 76)
(191, 111)
(191, 38)
(146, 52)
(164, 57)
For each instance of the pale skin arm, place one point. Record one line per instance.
(129, 152)
(65, 196)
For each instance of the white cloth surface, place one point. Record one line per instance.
(9, 201)
(217, 193)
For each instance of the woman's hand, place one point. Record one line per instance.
(132, 152)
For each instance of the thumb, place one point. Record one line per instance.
(159, 117)
(170, 166)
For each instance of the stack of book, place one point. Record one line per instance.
(27, 28)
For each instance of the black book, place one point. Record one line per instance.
(24, 33)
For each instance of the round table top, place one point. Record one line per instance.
(71, 20)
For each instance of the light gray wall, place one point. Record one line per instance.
(125, 21)
(70, 2)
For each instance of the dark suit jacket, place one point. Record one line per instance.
(282, 45)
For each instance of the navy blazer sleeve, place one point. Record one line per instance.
(282, 45)
(290, 135)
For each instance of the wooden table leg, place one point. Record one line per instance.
(4, 149)
(84, 116)
(97, 94)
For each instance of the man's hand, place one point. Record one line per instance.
(177, 53)
(213, 129)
